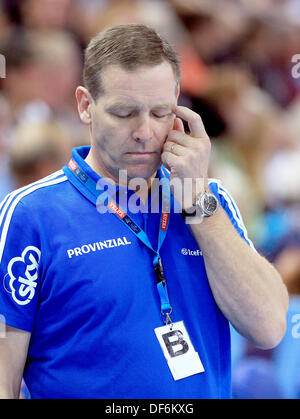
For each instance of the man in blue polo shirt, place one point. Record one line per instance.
(108, 291)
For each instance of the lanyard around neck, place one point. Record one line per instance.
(75, 172)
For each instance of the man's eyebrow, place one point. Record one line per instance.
(120, 106)
(168, 106)
(125, 106)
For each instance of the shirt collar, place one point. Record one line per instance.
(82, 176)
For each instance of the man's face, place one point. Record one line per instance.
(132, 118)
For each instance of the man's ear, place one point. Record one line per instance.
(84, 101)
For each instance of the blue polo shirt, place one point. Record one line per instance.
(83, 284)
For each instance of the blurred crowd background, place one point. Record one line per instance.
(238, 73)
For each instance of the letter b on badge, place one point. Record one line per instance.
(178, 350)
(175, 343)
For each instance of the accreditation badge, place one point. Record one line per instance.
(178, 350)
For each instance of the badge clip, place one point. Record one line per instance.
(167, 319)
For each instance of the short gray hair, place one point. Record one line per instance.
(130, 46)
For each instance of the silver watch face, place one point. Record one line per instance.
(209, 204)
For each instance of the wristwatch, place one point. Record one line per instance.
(207, 203)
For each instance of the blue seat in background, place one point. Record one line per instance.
(285, 362)
(287, 353)
(253, 378)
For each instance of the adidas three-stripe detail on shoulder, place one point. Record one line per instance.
(10, 202)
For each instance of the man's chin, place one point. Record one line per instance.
(141, 171)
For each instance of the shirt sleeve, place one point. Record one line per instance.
(20, 257)
(231, 208)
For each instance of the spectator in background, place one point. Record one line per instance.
(282, 228)
(213, 30)
(21, 67)
(42, 15)
(71, 16)
(266, 49)
(6, 183)
(4, 21)
(43, 69)
(46, 14)
(287, 262)
(55, 15)
(38, 150)
(263, 40)
(254, 131)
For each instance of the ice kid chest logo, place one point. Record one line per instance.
(22, 274)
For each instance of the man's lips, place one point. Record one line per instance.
(141, 153)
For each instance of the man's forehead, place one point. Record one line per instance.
(122, 69)
(116, 77)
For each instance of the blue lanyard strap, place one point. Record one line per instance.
(77, 173)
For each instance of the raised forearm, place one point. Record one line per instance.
(247, 288)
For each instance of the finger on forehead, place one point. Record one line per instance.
(193, 119)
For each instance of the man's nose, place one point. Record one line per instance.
(143, 130)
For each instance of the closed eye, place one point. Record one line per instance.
(123, 116)
(128, 115)
(157, 115)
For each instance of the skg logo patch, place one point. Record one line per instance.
(22, 274)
